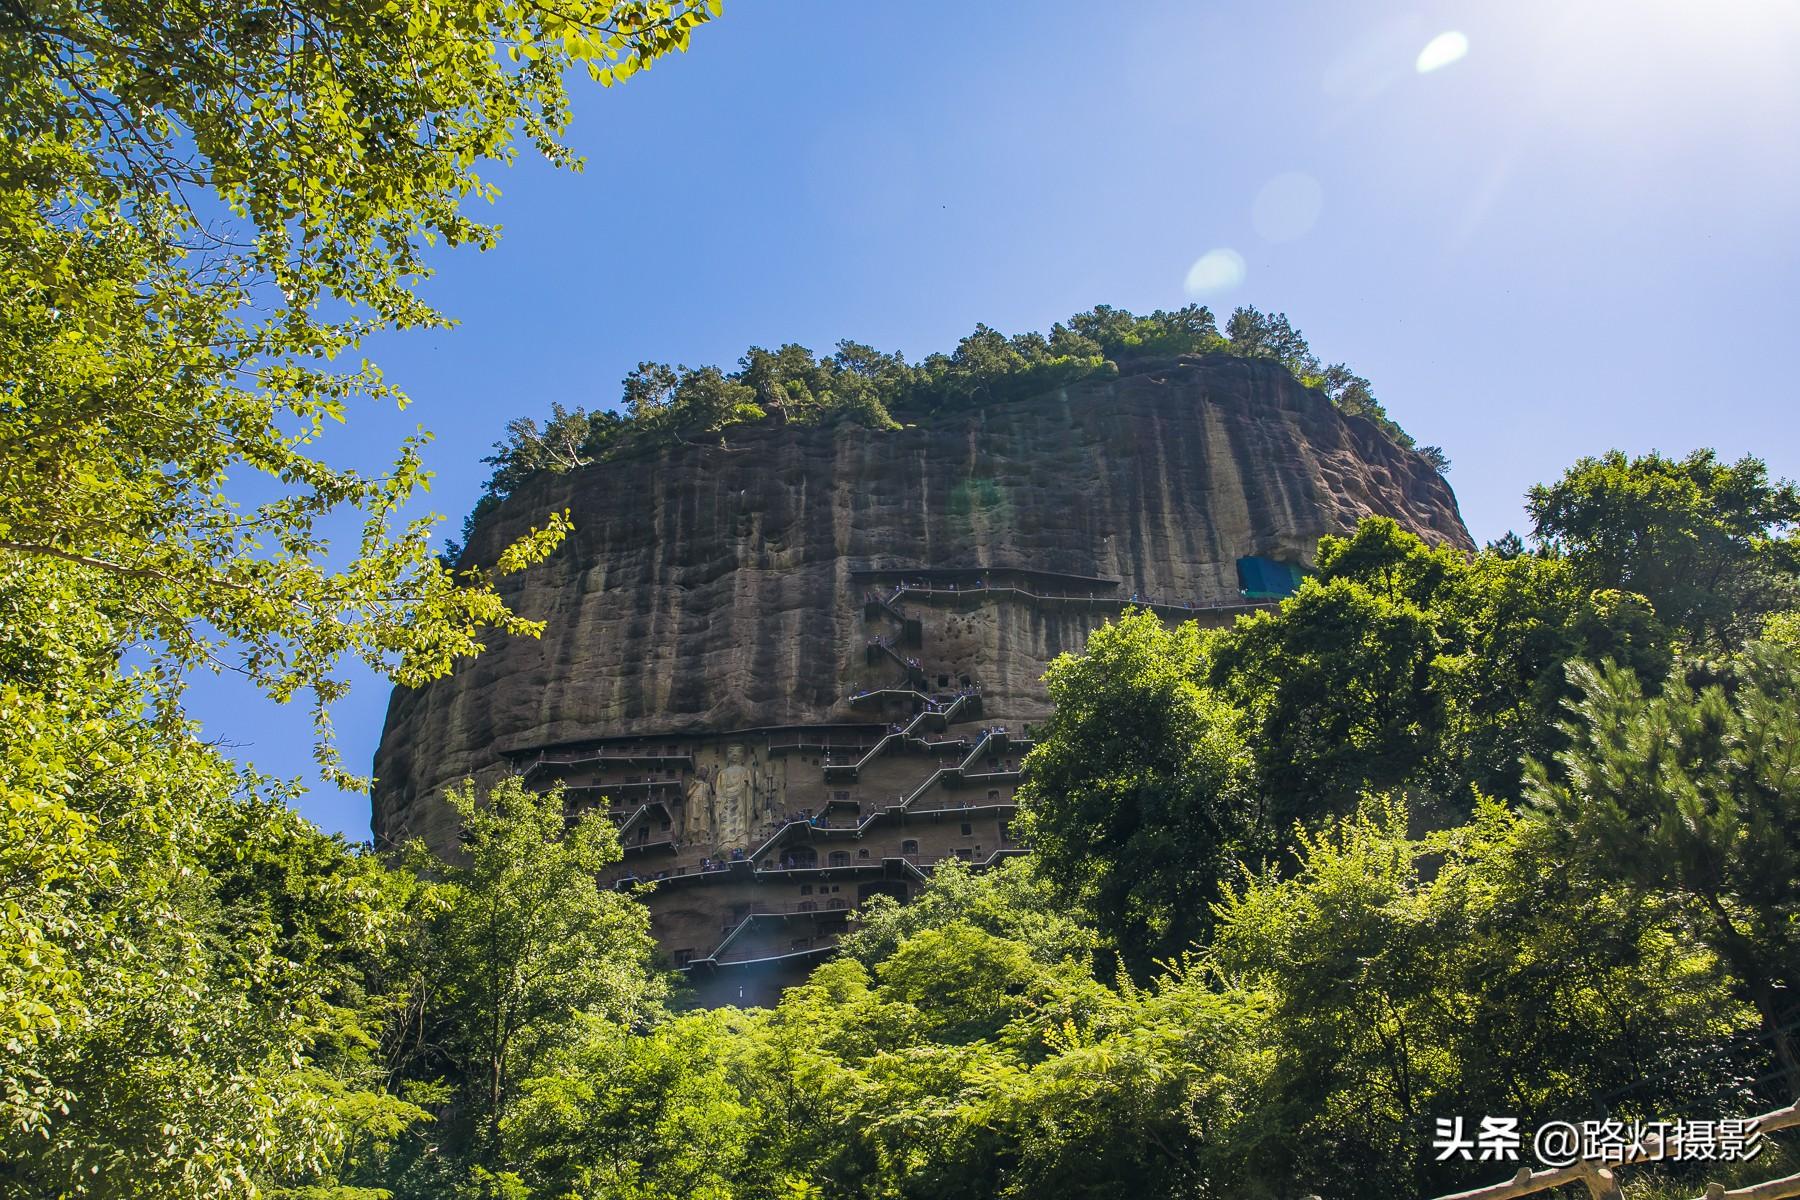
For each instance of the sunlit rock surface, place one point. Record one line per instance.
(709, 625)
(713, 589)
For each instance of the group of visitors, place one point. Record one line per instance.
(1185, 605)
(722, 864)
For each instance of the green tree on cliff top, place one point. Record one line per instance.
(857, 384)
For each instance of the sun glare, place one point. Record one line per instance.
(1218, 270)
(1441, 51)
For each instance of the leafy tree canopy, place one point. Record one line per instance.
(190, 985)
(1013, 901)
(858, 383)
(1138, 798)
(204, 210)
(1465, 971)
(517, 944)
(1714, 546)
(1379, 980)
(1174, 754)
(1400, 664)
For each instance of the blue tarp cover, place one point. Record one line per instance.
(1266, 579)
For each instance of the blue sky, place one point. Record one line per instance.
(1581, 234)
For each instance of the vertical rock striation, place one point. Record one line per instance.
(718, 596)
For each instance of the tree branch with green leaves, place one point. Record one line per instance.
(204, 211)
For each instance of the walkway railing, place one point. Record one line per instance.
(716, 870)
(810, 908)
(941, 715)
(723, 869)
(958, 772)
(646, 786)
(724, 946)
(682, 761)
(1089, 599)
(812, 953)
(934, 706)
(797, 908)
(886, 603)
(909, 628)
(849, 867)
(990, 572)
(772, 840)
(1005, 737)
(822, 747)
(913, 667)
(931, 860)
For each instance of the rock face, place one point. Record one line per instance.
(727, 621)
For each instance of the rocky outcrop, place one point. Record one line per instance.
(716, 589)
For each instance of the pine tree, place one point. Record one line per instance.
(1696, 792)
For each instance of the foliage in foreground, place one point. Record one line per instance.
(200, 995)
(519, 947)
(1450, 870)
(1390, 852)
(204, 211)
(203, 214)
(1693, 796)
(1340, 1006)
(189, 994)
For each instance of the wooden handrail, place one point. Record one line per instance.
(1784, 1188)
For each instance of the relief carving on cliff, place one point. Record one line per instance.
(696, 823)
(724, 809)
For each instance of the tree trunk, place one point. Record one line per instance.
(1758, 980)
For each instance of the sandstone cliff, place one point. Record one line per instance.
(708, 590)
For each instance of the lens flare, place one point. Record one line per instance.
(1441, 51)
(1218, 270)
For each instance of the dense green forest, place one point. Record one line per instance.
(1511, 832)
(662, 405)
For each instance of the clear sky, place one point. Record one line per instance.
(1579, 234)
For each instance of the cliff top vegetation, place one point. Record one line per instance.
(662, 405)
